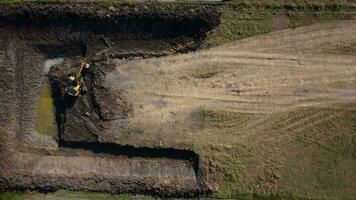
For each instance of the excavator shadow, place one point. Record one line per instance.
(68, 101)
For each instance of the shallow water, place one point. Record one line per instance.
(45, 119)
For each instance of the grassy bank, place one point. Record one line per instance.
(242, 18)
(290, 156)
(11, 196)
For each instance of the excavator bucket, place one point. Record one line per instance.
(73, 90)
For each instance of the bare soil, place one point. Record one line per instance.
(271, 113)
(265, 113)
(75, 157)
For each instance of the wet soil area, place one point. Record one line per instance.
(30, 35)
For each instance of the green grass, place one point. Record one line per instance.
(10, 196)
(242, 18)
(319, 155)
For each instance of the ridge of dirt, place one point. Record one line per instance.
(107, 168)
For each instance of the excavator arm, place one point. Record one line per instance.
(74, 88)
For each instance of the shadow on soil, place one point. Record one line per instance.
(131, 151)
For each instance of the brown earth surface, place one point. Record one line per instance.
(275, 112)
(39, 44)
(271, 73)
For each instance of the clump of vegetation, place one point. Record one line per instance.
(10, 196)
(206, 71)
(205, 74)
(222, 119)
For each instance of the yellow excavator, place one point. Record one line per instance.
(75, 79)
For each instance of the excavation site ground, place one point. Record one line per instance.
(178, 100)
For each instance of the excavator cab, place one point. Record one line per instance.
(75, 79)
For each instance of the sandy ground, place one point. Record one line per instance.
(273, 111)
(265, 74)
(262, 74)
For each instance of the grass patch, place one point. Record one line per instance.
(222, 119)
(205, 72)
(329, 158)
(10, 196)
(297, 154)
(242, 18)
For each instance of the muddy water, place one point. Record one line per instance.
(45, 118)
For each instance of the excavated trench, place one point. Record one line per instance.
(50, 140)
